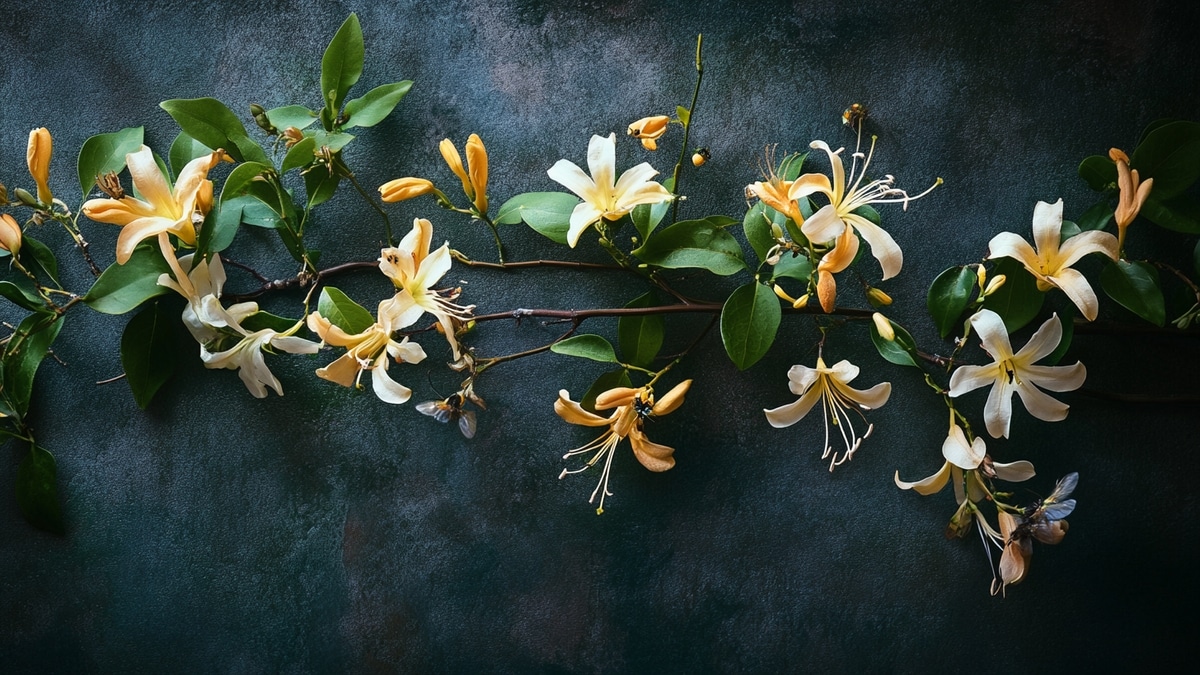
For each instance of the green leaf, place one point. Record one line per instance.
(683, 114)
(300, 156)
(693, 243)
(1097, 217)
(184, 149)
(749, 322)
(240, 178)
(37, 491)
(948, 297)
(256, 213)
(260, 320)
(1069, 229)
(121, 288)
(106, 152)
(794, 267)
(342, 64)
(757, 226)
(320, 186)
(1154, 125)
(548, 213)
(640, 337)
(900, 351)
(646, 217)
(586, 346)
(1171, 156)
(377, 104)
(291, 116)
(212, 123)
(1018, 301)
(867, 211)
(23, 354)
(790, 167)
(21, 297)
(38, 258)
(1067, 318)
(148, 351)
(1135, 286)
(609, 380)
(334, 141)
(343, 312)
(720, 221)
(1181, 214)
(1099, 172)
(221, 225)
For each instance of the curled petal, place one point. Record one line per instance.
(387, 389)
(789, 414)
(672, 399)
(929, 485)
(1014, 472)
(883, 247)
(652, 455)
(1041, 405)
(958, 452)
(574, 413)
(1077, 288)
(616, 397)
(824, 225)
(801, 377)
(991, 331)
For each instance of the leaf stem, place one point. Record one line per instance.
(687, 129)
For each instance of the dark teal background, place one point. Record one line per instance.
(326, 531)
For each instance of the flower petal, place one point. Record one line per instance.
(617, 397)
(883, 247)
(149, 181)
(997, 412)
(1084, 243)
(652, 455)
(582, 217)
(602, 161)
(929, 485)
(991, 331)
(672, 399)
(1013, 472)
(1010, 245)
(387, 389)
(866, 398)
(958, 452)
(342, 371)
(570, 176)
(789, 414)
(1080, 292)
(824, 225)
(839, 172)
(801, 377)
(574, 413)
(1040, 404)
(810, 183)
(138, 230)
(1041, 344)
(1057, 378)
(1047, 228)
(970, 378)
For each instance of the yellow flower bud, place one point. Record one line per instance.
(454, 161)
(878, 298)
(981, 275)
(401, 189)
(477, 165)
(10, 234)
(38, 157)
(783, 295)
(650, 127)
(801, 302)
(884, 327)
(994, 285)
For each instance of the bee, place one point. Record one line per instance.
(644, 409)
(1043, 520)
(450, 408)
(700, 156)
(854, 115)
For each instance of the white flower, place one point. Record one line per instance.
(602, 197)
(205, 279)
(246, 356)
(830, 385)
(963, 456)
(368, 350)
(1017, 372)
(1051, 264)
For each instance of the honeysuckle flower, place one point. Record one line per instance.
(835, 260)
(963, 456)
(205, 279)
(602, 197)
(10, 234)
(1018, 373)
(1132, 196)
(1051, 263)
(631, 408)
(164, 210)
(368, 350)
(649, 129)
(774, 190)
(830, 220)
(37, 156)
(884, 326)
(414, 270)
(830, 386)
(401, 189)
(246, 356)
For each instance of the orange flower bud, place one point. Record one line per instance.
(454, 160)
(38, 157)
(401, 189)
(477, 165)
(10, 234)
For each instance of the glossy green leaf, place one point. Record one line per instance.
(148, 351)
(37, 490)
(1171, 156)
(256, 213)
(240, 178)
(342, 64)
(867, 211)
(640, 337)
(720, 221)
(38, 258)
(948, 297)
(291, 116)
(646, 217)
(21, 296)
(1154, 125)
(300, 156)
(693, 244)
(609, 380)
(320, 186)
(757, 227)
(1099, 172)
(1018, 301)
(221, 225)
(683, 114)
(343, 312)
(749, 322)
(377, 104)
(793, 267)
(122, 288)
(23, 354)
(1069, 229)
(791, 166)
(586, 346)
(260, 320)
(334, 141)
(213, 124)
(106, 152)
(1181, 214)
(548, 213)
(1134, 285)
(1097, 217)
(184, 149)
(901, 351)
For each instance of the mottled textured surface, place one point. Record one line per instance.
(326, 531)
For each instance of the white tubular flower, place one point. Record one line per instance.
(1017, 372)
(368, 350)
(246, 356)
(1051, 264)
(831, 387)
(963, 456)
(602, 196)
(205, 279)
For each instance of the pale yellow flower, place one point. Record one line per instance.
(649, 129)
(830, 386)
(963, 456)
(368, 351)
(163, 210)
(774, 190)
(1051, 263)
(246, 356)
(834, 261)
(631, 408)
(37, 156)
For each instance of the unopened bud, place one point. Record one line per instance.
(776, 231)
(981, 275)
(10, 234)
(701, 156)
(404, 188)
(884, 326)
(801, 302)
(783, 295)
(260, 118)
(878, 298)
(24, 197)
(1118, 155)
(38, 157)
(994, 285)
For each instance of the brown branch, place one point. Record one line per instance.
(302, 280)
